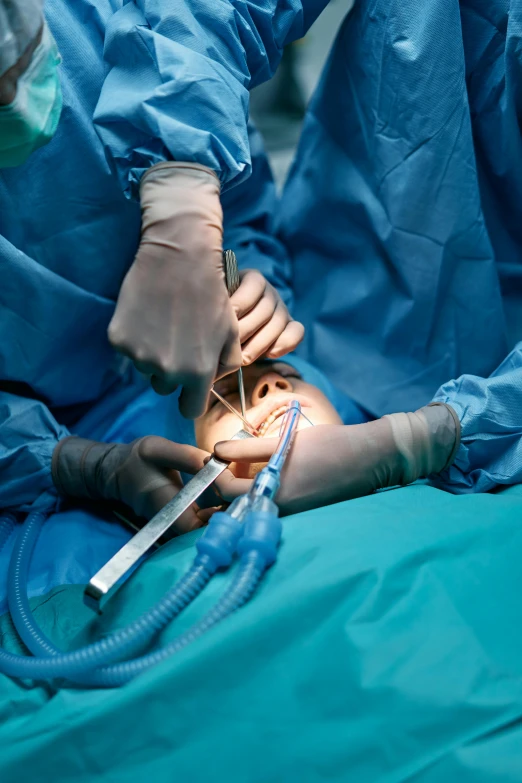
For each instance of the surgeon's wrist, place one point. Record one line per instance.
(426, 441)
(173, 171)
(77, 465)
(181, 214)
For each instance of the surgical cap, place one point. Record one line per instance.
(20, 21)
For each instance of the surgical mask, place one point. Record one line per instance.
(31, 119)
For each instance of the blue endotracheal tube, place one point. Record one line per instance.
(268, 480)
(250, 529)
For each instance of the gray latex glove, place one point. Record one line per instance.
(173, 317)
(330, 463)
(144, 475)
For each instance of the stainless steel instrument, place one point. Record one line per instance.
(233, 281)
(110, 576)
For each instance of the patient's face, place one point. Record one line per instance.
(268, 390)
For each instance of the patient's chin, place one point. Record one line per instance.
(244, 470)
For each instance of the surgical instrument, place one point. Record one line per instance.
(233, 281)
(108, 577)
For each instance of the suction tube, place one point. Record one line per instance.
(119, 644)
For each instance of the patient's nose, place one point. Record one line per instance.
(270, 383)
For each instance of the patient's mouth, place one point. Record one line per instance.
(267, 423)
(263, 416)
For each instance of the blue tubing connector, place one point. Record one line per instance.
(262, 535)
(220, 539)
(256, 542)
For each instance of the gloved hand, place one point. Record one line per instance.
(265, 325)
(330, 463)
(143, 475)
(173, 317)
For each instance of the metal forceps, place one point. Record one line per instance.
(232, 280)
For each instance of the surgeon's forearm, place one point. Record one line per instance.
(170, 114)
(490, 412)
(425, 442)
(28, 437)
(244, 37)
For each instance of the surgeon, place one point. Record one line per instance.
(116, 229)
(60, 363)
(401, 216)
(167, 146)
(30, 94)
(176, 137)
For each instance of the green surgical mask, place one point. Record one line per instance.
(31, 119)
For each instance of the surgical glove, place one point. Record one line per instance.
(143, 474)
(173, 317)
(265, 326)
(331, 463)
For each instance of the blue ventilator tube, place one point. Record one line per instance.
(250, 529)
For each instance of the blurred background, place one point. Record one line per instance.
(278, 106)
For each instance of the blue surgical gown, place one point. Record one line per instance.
(163, 80)
(402, 219)
(415, 289)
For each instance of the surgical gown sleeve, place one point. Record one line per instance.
(28, 435)
(490, 412)
(178, 80)
(249, 212)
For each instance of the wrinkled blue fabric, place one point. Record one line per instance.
(490, 411)
(348, 410)
(401, 213)
(67, 237)
(382, 647)
(250, 223)
(178, 79)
